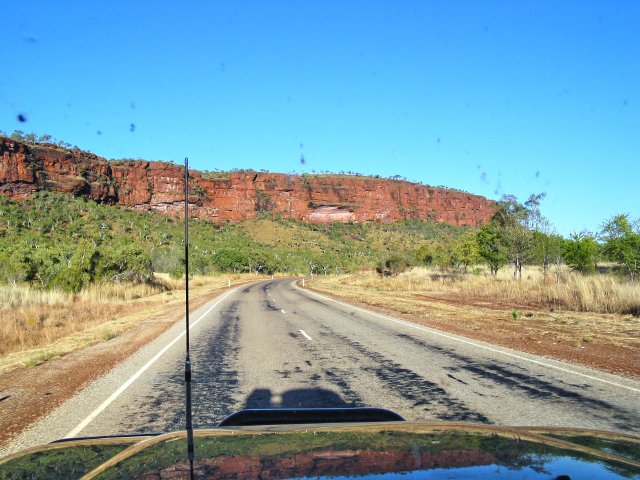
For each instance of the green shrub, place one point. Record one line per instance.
(392, 265)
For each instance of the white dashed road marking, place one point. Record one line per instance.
(305, 335)
(468, 342)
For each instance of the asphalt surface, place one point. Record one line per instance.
(272, 344)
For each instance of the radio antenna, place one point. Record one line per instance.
(187, 363)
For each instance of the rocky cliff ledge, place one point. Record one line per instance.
(142, 185)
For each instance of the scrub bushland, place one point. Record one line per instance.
(597, 293)
(50, 323)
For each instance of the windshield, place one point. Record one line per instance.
(427, 207)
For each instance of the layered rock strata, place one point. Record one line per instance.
(144, 185)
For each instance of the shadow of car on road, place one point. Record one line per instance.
(295, 398)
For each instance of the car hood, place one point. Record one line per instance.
(364, 450)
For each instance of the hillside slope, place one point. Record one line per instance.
(57, 240)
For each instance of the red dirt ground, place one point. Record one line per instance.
(27, 394)
(616, 353)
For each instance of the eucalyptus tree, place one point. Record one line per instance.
(512, 235)
(580, 252)
(621, 243)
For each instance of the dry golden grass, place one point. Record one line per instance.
(592, 320)
(30, 317)
(575, 292)
(45, 324)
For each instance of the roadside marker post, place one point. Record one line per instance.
(229, 283)
(302, 282)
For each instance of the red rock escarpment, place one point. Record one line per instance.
(330, 463)
(143, 185)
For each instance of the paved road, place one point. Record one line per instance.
(272, 344)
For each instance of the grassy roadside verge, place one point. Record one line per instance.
(28, 394)
(580, 320)
(39, 326)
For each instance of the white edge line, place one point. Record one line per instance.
(136, 375)
(305, 335)
(469, 342)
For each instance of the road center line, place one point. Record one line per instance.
(468, 342)
(136, 375)
(305, 335)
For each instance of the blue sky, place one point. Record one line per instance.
(491, 97)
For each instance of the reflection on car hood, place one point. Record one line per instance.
(380, 451)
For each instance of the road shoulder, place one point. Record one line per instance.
(29, 393)
(599, 355)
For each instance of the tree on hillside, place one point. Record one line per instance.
(424, 253)
(12, 268)
(18, 135)
(79, 267)
(260, 261)
(392, 265)
(546, 244)
(444, 255)
(492, 247)
(130, 263)
(580, 252)
(546, 249)
(31, 137)
(621, 238)
(43, 265)
(467, 250)
(517, 222)
(230, 260)
(326, 261)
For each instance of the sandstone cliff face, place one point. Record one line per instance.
(143, 185)
(336, 463)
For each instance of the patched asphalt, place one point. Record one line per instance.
(271, 345)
